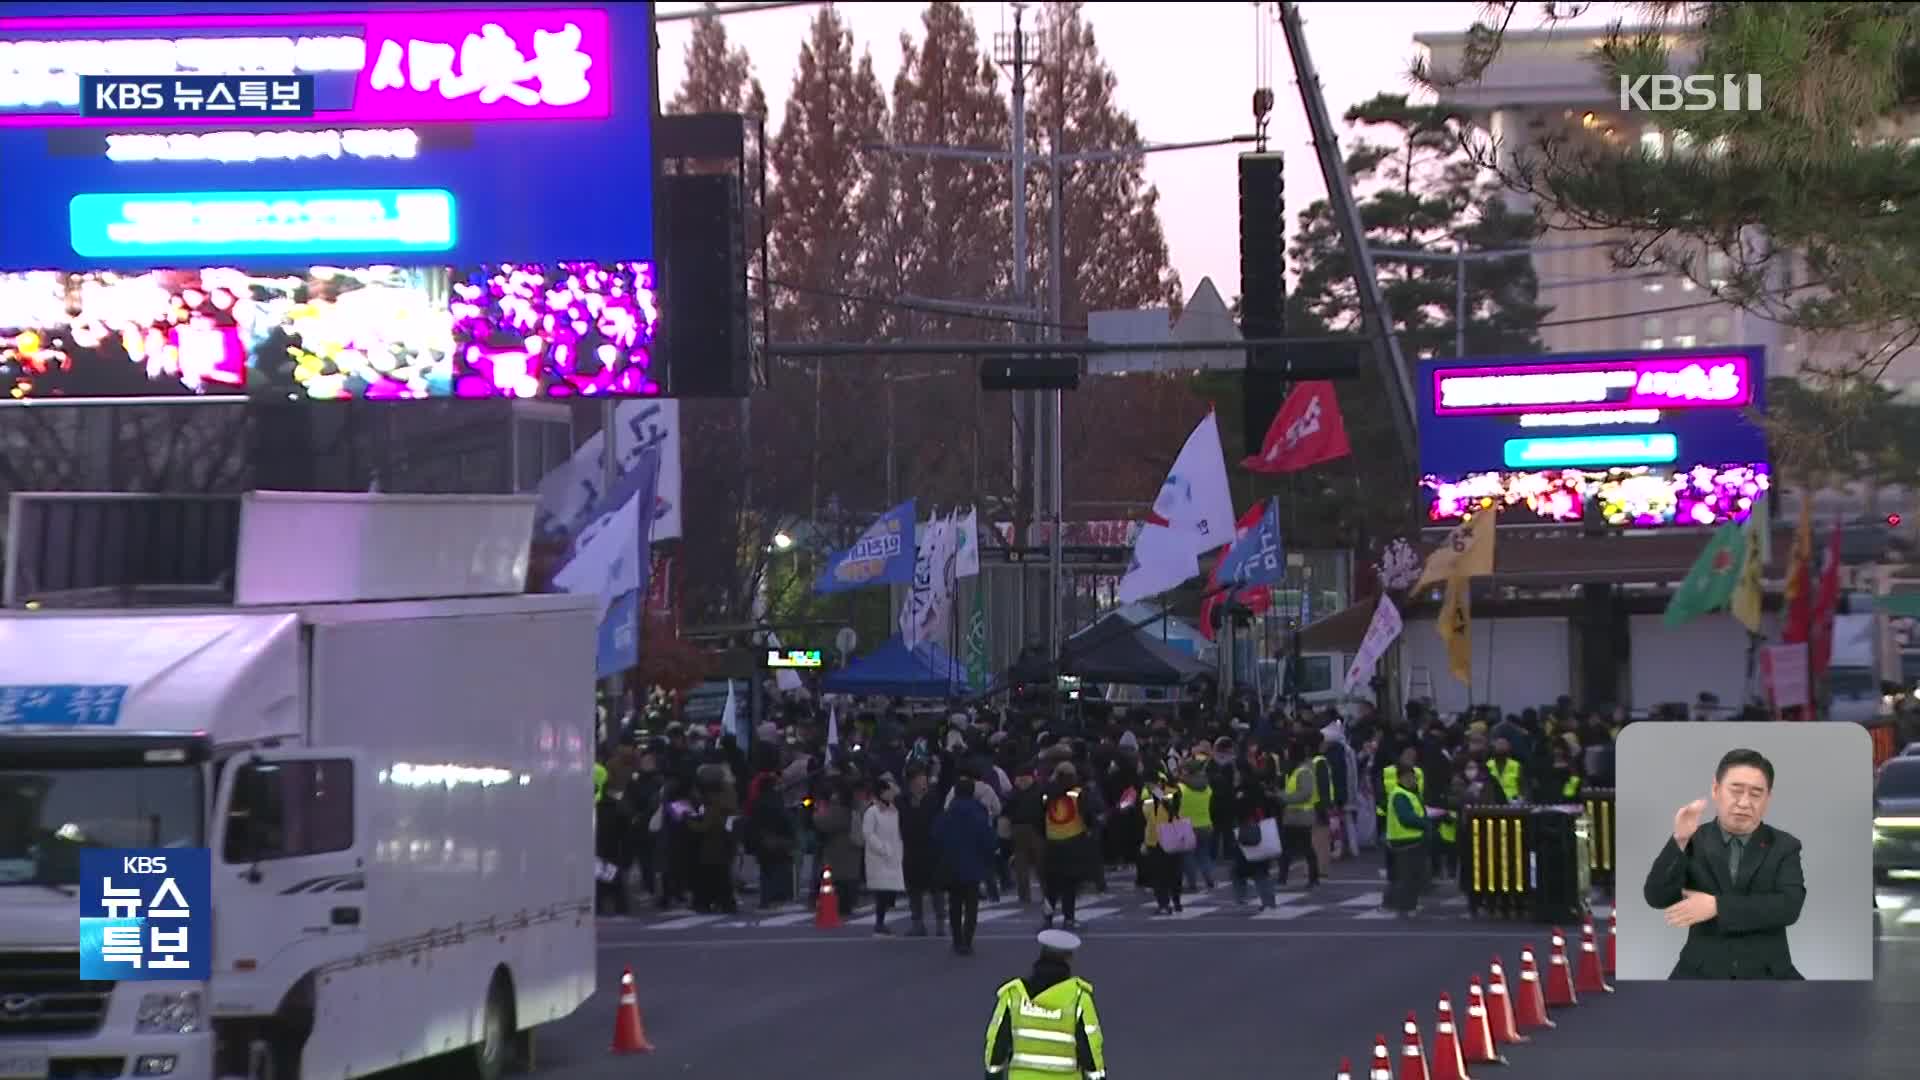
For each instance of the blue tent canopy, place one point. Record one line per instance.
(894, 670)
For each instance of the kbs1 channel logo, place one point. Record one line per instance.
(145, 914)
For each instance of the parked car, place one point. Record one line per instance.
(1896, 818)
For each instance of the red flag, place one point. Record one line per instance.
(1799, 624)
(1257, 599)
(1820, 640)
(1306, 431)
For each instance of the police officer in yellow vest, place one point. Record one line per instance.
(1044, 1026)
(1406, 842)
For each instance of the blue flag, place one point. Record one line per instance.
(883, 555)
(1257, 557)
(613, 556)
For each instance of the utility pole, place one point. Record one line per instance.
(1011, 53)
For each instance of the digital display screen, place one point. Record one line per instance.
(1645, 439)
(459, 204)
(793, 658)
(331, 333)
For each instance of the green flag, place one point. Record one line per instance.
(1715, 575)
(977, 636)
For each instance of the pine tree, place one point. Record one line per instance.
(1823, 171)
(1422, 195)
(947, 93)
(1120, 433)
(719, 76)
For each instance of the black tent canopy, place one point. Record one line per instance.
(1113, 650)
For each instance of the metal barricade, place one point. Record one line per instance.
(1531, 862)
(1599, 804)
(1493, 862)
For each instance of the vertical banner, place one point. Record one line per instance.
(1783, 671)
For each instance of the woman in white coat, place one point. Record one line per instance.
(886, 854)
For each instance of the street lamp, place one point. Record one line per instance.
(782, 541)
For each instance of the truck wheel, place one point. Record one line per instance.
(488, 1058)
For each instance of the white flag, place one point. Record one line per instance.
(608, 562)
(1162, 559)
(917, 613)
(1195, 500)
(966, 562)
(1381, 632)
(569, 492)
(730, 714)
(833, 729)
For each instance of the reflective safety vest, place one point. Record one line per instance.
(1507, 775)
(1323, 795)
(1047, 1032)
(1293, 787)
(1571, 789)
(599, 781)
(1449, 827)
(1156, 811)
(1196, 805)
(1064, 821)
(1390, 782)
(1399, 831)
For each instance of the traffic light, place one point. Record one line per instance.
(1263, 285)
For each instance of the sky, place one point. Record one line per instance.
(1185, 78)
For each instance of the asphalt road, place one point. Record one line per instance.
(1216, 995)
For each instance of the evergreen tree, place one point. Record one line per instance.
(951, 225)
(1120, 434)
(1423, 195)
(1803, 207)
(719, 76)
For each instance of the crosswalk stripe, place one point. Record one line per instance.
(1194, 912)
(1290, 911)
(998, 913)
(1085, 914)
(1371, 899)
(688, 922)
(1374, 914)
(792, 918)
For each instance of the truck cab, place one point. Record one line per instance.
(398, 817)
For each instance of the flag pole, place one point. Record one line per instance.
(609, 477)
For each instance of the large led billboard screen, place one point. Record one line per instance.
(468, 211)
(1647, 439)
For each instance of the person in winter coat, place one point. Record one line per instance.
(1296, 818)
(1256, 797)
(885, 853)
(967, 843)
(918, 810)
(840, 846)
(770, 836)
(1160, 805)
(612, 833)
(1026, 815)
(720, 809)
(1196, 805)
(1073, 847)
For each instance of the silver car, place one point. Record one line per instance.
(1896, 818)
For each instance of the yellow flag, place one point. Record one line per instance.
(1800, 561)
(1466, 552)
(1456, 627)
(1748, 594)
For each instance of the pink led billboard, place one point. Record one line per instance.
(1642, 382)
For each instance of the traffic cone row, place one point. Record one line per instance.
(1497, 1014)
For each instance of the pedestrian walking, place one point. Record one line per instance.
(1045, 1026)
(885, 853)
(964, 837)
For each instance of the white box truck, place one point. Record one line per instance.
(396, 793)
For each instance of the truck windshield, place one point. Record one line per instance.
(48, 815)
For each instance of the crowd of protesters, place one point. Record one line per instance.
(916, 815)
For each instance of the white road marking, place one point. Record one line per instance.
(688, 922)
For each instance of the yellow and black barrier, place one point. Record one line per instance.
(1531, 862)
(1599, 803)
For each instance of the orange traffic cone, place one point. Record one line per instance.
(1476, 1041)
(629, 1032)
(1530, 1005)
(1560, 993)
(1613, 931)
(1500, 1019)
(1346, 1070)
(1382, 1064)
(826, 913)
(1413, 1057)
(1589, 980)
(1447, 1063)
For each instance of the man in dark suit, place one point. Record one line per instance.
(1737, 884)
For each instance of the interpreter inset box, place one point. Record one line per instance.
(1744, 851)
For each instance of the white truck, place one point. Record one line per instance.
(387, 748)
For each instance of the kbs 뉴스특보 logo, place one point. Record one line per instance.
(145, 913)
